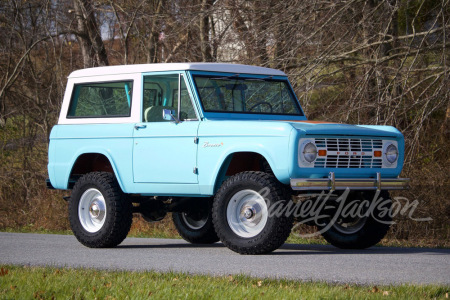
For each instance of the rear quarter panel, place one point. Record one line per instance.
(68, 142)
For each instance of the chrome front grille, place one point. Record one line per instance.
(348, 153)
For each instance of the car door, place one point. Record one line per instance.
(165, 151)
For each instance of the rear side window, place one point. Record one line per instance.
(107, 99)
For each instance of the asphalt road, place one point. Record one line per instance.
(377, 265)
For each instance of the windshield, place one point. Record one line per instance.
(238, 94)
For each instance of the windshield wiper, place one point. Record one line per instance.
(259, 79)
(225, 77)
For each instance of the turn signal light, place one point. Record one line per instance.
(377, 153)
(322, 152)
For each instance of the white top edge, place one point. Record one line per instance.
(143, 68)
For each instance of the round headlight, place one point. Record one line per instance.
(391, 153)
(310, 152)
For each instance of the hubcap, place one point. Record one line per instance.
(92, 210)
(247, 213)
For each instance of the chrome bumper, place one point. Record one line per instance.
(331, 183)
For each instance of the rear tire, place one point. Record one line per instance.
(242, 216)
(196, 226)
(357, 232)
(99, 213)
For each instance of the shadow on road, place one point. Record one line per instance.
(171, 246)
(298, 249)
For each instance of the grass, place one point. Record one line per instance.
(17, 282)
(41, 230)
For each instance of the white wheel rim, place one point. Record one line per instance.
(350, 227)
(247, 213)
(193, 223)
(92, 210)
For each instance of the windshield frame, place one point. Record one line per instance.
(247, 115)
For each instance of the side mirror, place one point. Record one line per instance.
(168, 115)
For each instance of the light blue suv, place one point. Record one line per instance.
(219, 146)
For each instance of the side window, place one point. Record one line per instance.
(161, 92)
(106, 99)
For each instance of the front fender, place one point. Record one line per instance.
(213, 162)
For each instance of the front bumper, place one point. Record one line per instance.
(332, 183)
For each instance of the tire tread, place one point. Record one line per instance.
(269, 239)
(115, 229)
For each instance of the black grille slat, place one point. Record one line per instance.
(348, 160)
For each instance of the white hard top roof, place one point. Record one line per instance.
(142, 68)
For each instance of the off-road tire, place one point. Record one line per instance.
(277, 228)
(372, 232)
(205, 234)
(118, 217)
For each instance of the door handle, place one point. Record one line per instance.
(137, 127)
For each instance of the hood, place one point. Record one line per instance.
(326, 128)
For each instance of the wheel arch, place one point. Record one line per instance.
(92, 161)
(241, 161)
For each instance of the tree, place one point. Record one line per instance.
(89, 35)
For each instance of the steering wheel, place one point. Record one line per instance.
(262, 103)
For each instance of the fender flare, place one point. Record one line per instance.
(219, 173)
(94, 151)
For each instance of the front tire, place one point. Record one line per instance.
(361, 232)
(242, 216)
(195, 225)
(99, 213)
